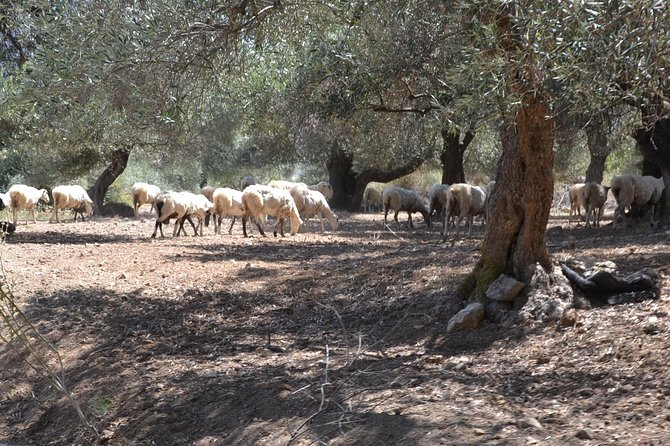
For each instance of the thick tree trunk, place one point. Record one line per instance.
(596, 136)
(452, 155)
(119, 161)
(514, 241)
(348, 187)
(341, 177)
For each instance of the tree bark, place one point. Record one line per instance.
(452, 155)
(596, 136)
(348, 187)
(119, 161)
(514, 241)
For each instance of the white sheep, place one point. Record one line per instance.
(144, 193)
(246, 182)
(594, 197)
(576, 201)
(70, 197)
(227, 203)
(399, 199)
(312, 203)
(262, 200)
(284, 184)
(465, 201)
(635, 190)
(372, 200)
(182, 206)
(438, 194)
(26, 197)
(324, 187)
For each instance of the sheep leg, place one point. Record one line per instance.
(190, 220)
(411, 225)
(230, 230)
(386, 213)
(159, 225)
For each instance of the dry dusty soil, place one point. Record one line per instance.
(334, 339)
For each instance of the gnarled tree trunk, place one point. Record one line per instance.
(514, 241)
(119, 161)
(452, 155)
(596, 137)
(348, 187)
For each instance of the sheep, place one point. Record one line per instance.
(635, 190)
(283, 184)
(182, 206)
(208, 191)
(372, 200)
(70, 197)
(399, 199)
(144, 193)
(247, 181)
(26, 197)
(264, 200)
(594, 198)
(227, 202)
(466, 201)
(324, 187)
(311, 203)
(576, 201)
(4, 201)
(438, 194)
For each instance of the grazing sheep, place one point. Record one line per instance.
(636, 190)
(465, 201)
(246, 182)
(144, 193)
(262, 200)
(208, 191)
(438, 194)
(70, 197)
(227, 203)
(324, 187)
(284, 184)
(372, 200)
(594, 199)
(26, 197)
(399, 199)
(576, 201)
(312, 203)
(182, 206)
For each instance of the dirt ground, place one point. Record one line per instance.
(336, 338)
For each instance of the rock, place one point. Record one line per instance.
(468, 318)
(504, 289)
(549, 295)
(584, 434)
(652, 327)
(497, 311)
(569, 318)
(528, 422)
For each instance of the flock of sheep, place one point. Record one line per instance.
(628, 190)
(283, 200)
(297, 202)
